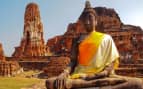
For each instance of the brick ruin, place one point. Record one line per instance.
(49, 65)
(32, 54)
(128, 39)
(8, 68)
(32, 43)
(56, 66)
(2, 57)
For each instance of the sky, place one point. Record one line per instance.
(56, 15)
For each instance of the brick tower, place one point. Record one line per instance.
(32, 43)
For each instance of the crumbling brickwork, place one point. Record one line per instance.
(56, 66)
(32, 43)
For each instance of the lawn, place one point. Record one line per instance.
(19, 81)
(16, 82)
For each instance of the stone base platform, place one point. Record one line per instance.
(133, 70)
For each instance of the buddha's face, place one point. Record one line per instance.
(90, 22)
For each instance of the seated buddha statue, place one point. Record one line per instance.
(94, 57)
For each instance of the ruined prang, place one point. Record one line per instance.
(32, 44)
(2, 57)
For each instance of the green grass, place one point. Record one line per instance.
(19, 81)
(16, 82)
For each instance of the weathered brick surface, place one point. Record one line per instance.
(9, 68)
(32, 43)
(56, 66)
(128, 38)
(2, 57)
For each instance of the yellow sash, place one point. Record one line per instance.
(88, 48)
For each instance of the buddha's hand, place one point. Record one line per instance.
(87, 76)
(96, 76)
(60, 82)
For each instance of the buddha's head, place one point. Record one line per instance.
(90, 20)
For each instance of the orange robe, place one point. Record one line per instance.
(95, 53)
